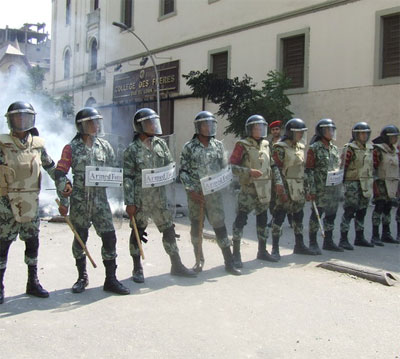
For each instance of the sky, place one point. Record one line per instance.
(15, 13)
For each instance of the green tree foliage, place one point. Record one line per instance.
(239, 99)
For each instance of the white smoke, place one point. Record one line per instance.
(55, 131)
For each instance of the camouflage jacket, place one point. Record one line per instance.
(198, 161)
(76, 155)
(137, 157)
(320, 160)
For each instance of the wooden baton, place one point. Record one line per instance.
(138, 240)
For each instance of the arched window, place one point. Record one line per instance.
(93, 55)
(67, 64)
(90, 102)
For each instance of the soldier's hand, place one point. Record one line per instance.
(67, 190)
(131, 210)
(310, 197)
(197, 197)
(255, 173)
(63, 210)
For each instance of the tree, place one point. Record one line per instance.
(239, 99)
(36, 76)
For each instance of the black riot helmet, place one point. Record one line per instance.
(88, 121)
(390, 134)
(293, 128)
(358, 129)
(147, 121)
(256, 126)
(20, 116)
(324, 127)
(205, 124)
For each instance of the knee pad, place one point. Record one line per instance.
(349, 212)
(241, 220)
(279, 217)
(361, 214)
(387, 208)
(4, 247)
(109, 240)
(298, 216)
(83, 233)
(169, 235)
(262, 219)
(379, 206)
(221, 232)
(330, 219)
(32, 247)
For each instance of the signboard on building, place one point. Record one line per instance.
(139, 84)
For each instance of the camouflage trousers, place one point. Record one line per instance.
(382, 210)
(213, 210)
(247, 202)
(162, 218)
(10, 229)
(355, 206)
(281, 210)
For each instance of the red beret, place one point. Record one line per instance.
(275, 124)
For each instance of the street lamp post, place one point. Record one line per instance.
(125, 27)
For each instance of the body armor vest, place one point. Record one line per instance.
(258, 158)
(20, 175)
(361, 168)
(388, 169)
(293, 169)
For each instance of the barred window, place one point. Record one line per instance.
(293, 59)
(391, 46)
(219, 64)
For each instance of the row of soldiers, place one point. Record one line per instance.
(275, 172)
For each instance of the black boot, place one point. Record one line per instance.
(111, 284)
(137, 273)
(263, 253)
(275, 248)
(376, 240)
(199, 256)
(386, 235)
(178, 269)
(237, 258)
(329, 244)
(361, 241)
(2, 271)
(228, 258)
(344, 242)
(313, 243)
(300, 247)
(33, 286)
(83, 280)
(398, 231)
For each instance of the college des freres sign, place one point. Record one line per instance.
(139, 84)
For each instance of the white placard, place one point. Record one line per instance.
(217, 181)
(103, 176)
(334, 178)
(161, 176)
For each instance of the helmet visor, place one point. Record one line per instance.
(151, 126)
(21, 121)
(207, 128)
(92, 127)
(361, 136)
(299, 136)
(257, 130)
(329, 133)
(393, 139)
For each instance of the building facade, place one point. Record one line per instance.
(343, 57)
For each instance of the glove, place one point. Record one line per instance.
(131, 210)
(67, 190)
(63, 210)
(310, 197)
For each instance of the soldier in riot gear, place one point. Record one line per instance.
(386, 164)
(358, 181)
(89, 205)
(147, 151)
(251, 161)
(288, 155)
(323, 160)
(202, 156)
(22, 154)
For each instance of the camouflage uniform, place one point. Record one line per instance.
(88, 205)
(249, 198)
(151, 202)
(198, 161)
(322, 157)
(358, 179)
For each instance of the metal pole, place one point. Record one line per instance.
(125, 27)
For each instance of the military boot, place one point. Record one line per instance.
(33, 286)
(137, 273)
(199, 256)
(275, 248)
(228, 258)
(178, 269)
(398, 230)
(344, 242)
(386, 235)
(2, 271)
(376, 240)
(237, 258)
(300, 247)
(361, 241)
(329, 244)
(83, 280)
(314, 243)
(111, 284)
(263, 253)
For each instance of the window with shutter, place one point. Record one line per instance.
(293, 60)
(219, 64)
(391, 46)
(169, 7)
(128, 13)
